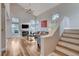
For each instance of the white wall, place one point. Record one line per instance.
(72, 13)
(74, 21)
(7, 18)
(7, 7)
(19, 12)
(66, 22)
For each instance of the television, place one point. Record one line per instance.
(25, 26)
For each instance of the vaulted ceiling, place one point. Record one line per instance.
(38, 8)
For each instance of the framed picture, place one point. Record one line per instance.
(44, 23)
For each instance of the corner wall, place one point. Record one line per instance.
(0, 28)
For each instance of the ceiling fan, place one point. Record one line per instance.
(29, 10)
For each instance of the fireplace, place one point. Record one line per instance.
(25, 33)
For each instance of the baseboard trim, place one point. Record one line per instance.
(71, 28)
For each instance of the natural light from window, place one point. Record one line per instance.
(15, 25)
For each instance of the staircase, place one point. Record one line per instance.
(68, 44)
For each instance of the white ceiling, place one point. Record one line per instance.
(38, 8)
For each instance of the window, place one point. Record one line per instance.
(34, 25)
(55, 16)
(15, 26)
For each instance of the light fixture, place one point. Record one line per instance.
(29, 10)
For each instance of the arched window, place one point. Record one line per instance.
(55, 16)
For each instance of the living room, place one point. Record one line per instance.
(42, 24)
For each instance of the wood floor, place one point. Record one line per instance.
(67, 46)
(21, 47)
